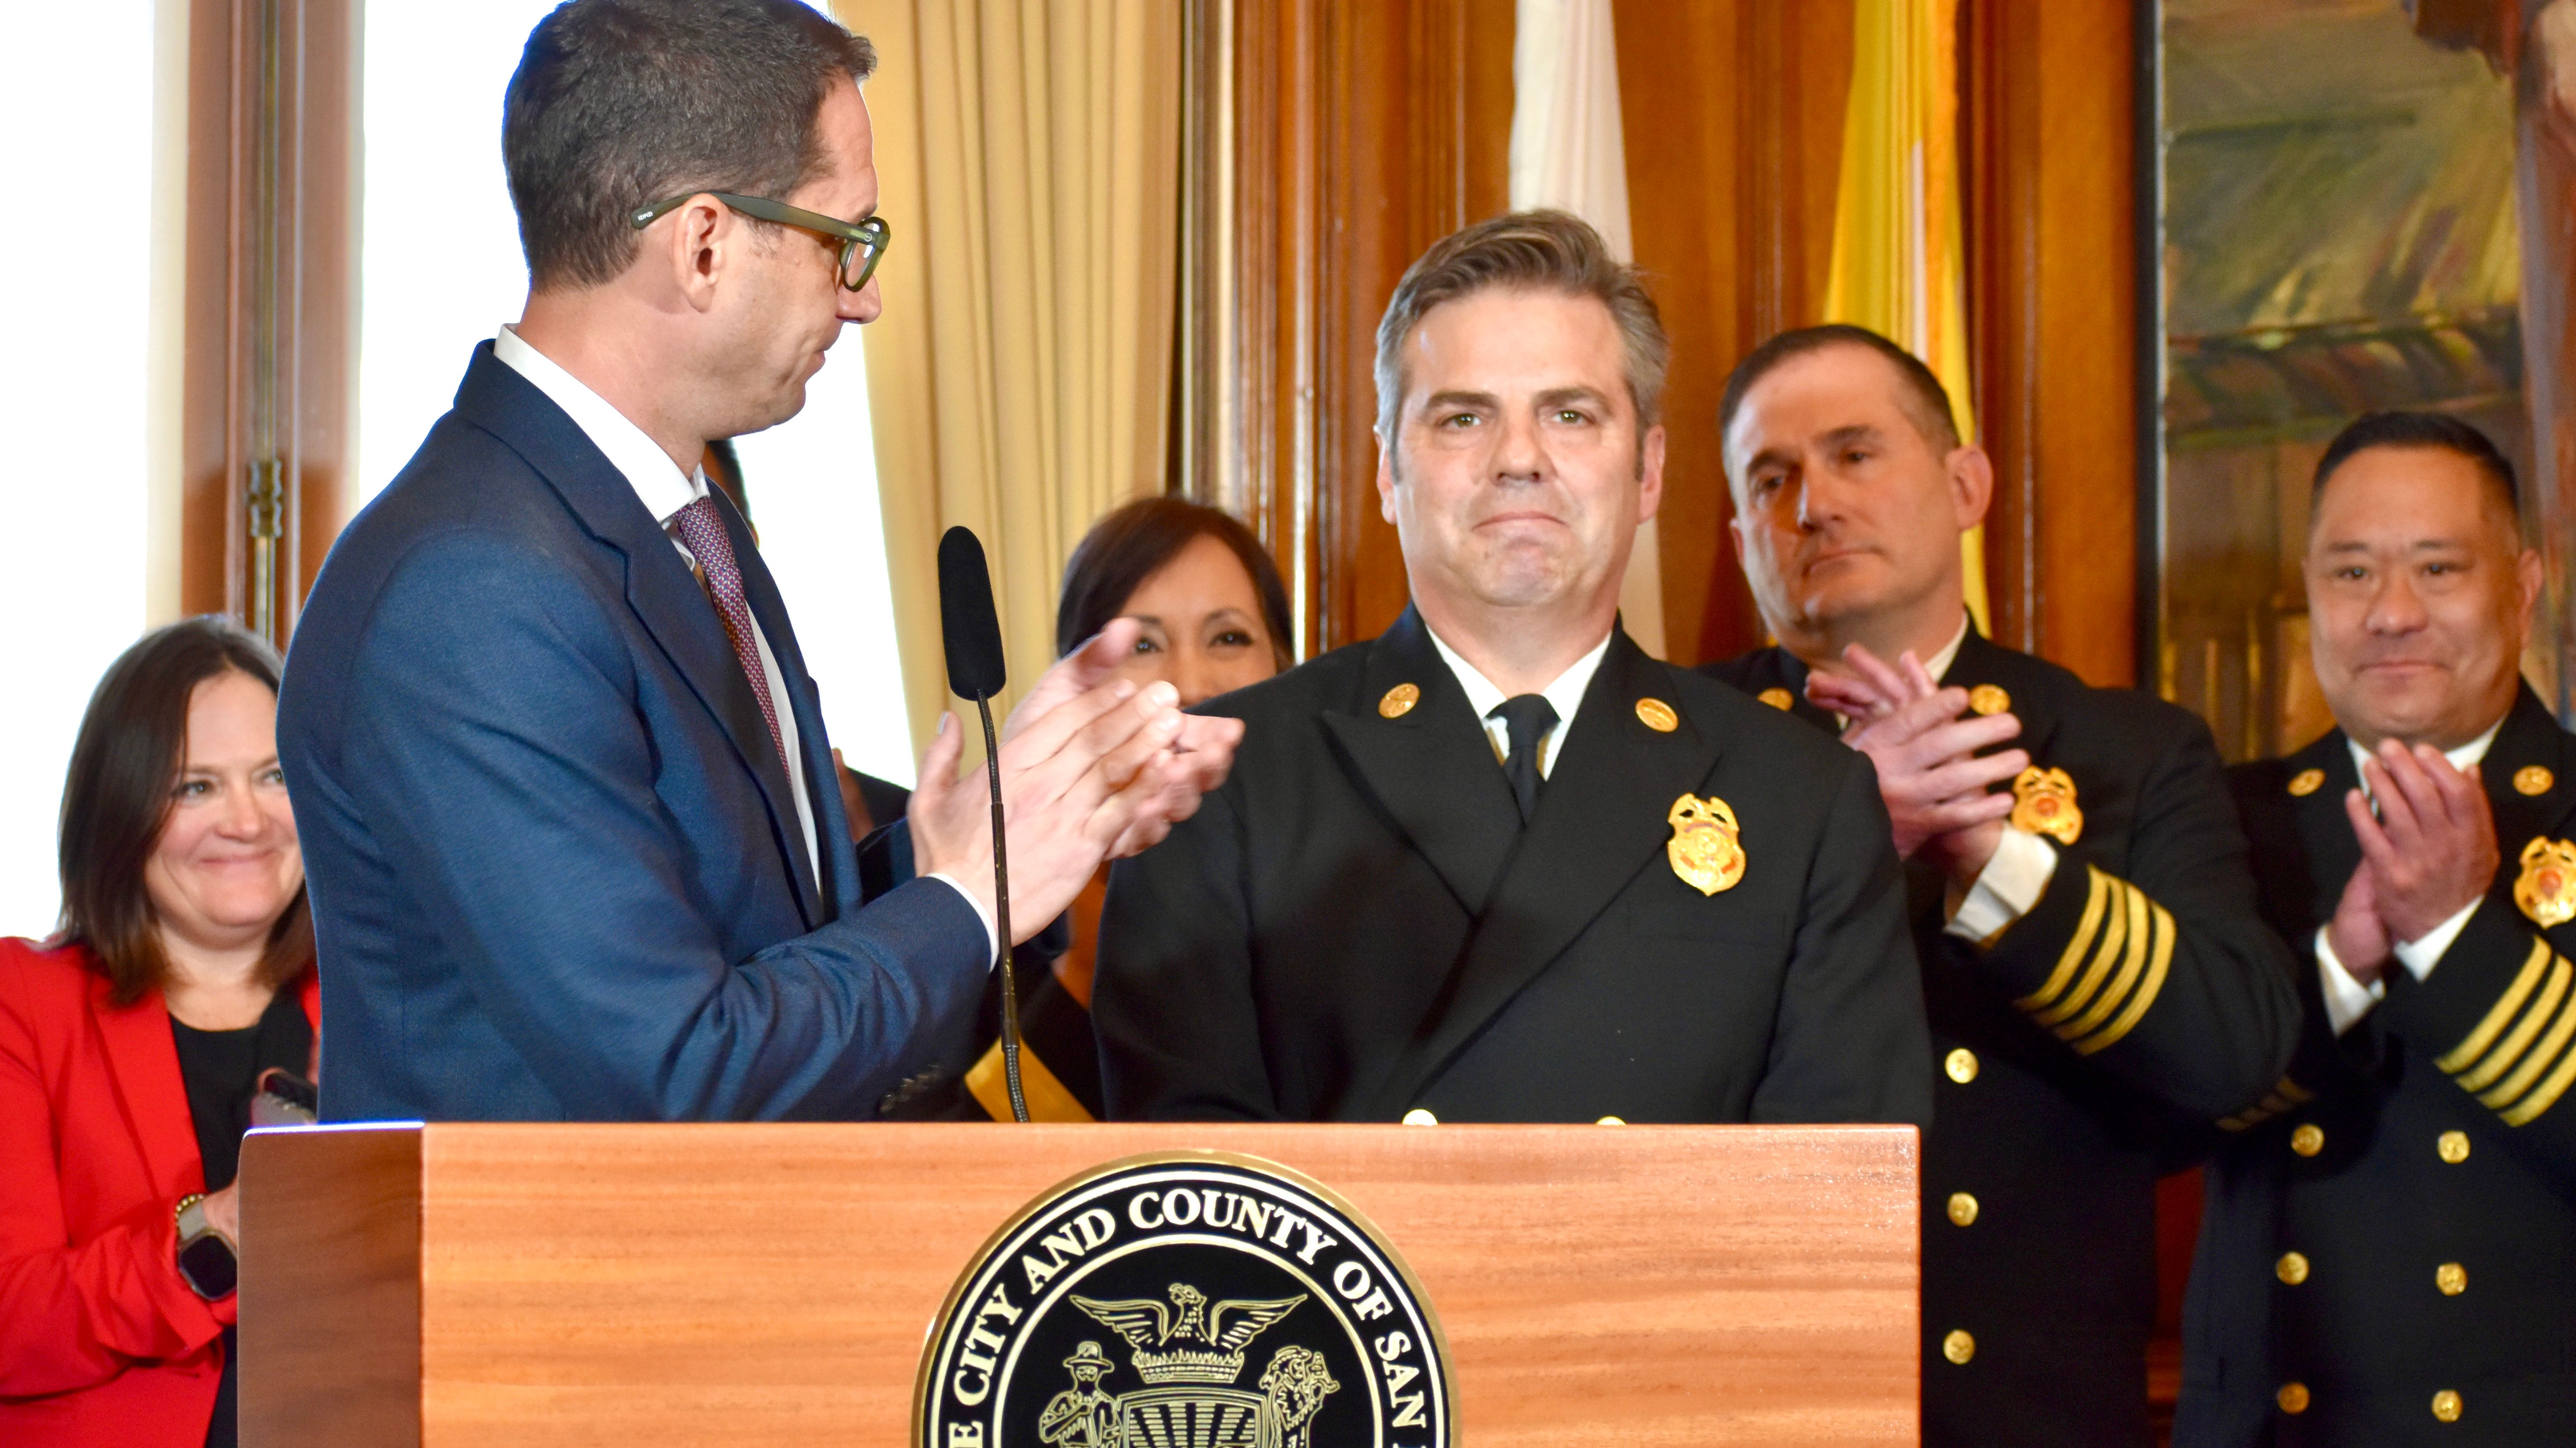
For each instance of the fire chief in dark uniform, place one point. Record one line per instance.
(1498, 864)
(2092, 960)
(2389, 1251)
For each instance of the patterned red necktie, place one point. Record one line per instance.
(702, 532)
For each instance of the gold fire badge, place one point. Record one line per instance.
(2546, 890)
(1706, 849)
(2044, 804)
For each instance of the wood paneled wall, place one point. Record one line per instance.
(1334, 139)
(271, 293)
(1344, 137)
(2051, 236)
(1734, 120)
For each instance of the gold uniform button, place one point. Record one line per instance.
(2452, 1278)
(1958, 1347)
(2293, 1397)
(2446, 1406)
(1987, 699)
(2308, 1140)
(2453, 1146)
(1961, 1065)
(1419, 1117)
(2305, 783)
(1776, 697)
(2533, 779)
(1657, 715)
(1963, 1209)
(2292, 1268)
(1399, 701)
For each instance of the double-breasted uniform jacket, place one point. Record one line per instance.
(2388, 1254)
(1357, 925)
(2140, 993)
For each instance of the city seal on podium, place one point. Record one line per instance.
(1185, 1298)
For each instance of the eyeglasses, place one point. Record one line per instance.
(862, 245)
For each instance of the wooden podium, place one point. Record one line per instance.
(496, 1285)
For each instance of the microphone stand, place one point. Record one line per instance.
(1002, 918)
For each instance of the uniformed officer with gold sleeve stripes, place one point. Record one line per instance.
(2389, 1251)
(1498, 863)
(2092, 958)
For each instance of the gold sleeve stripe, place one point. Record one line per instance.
(2114, 946)
(2138, 1005)
(2285, 1095)
(2548, 1094)
(2132, 961)
(2075, 948)
(2465, 1054)
(2509, 1052)
(2552, 1047)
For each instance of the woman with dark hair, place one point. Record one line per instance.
(133, 1041)
(1214, 610)
(1216, 619)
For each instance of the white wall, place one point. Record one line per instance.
(75, 401)
(436, 281)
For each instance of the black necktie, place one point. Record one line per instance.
(1526, 718)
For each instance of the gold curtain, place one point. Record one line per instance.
(1029, 157)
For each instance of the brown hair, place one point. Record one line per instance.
(1132, 543)
(117, 797)
(1531, 251)
(1921, 397)
(618, 104)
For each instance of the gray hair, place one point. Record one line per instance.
(1534, 251)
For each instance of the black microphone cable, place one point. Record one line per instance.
(972, 633)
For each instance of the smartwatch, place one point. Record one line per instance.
(207, 1258)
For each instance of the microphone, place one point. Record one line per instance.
(972, 634)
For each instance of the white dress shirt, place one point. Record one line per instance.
(2348, 1000)
(664, 490)
(1564, 696)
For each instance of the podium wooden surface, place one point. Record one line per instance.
(627, 1286)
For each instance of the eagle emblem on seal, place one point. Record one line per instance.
(1189, 1354)
(1707, 847)
(2546, 890)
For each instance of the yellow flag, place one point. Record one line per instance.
(1897, 268)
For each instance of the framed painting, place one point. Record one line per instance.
(2332, 199)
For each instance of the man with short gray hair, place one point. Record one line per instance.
(1497, 864)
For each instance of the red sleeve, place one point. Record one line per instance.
(74, 1314)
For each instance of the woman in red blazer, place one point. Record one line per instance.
(128, 1045)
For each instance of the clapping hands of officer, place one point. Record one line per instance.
(1939, 791)
(2429, 852)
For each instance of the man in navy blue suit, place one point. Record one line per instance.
(567, 805)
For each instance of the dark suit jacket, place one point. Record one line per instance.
(1356, 924)
(102, 1343)
(556, 870)
(2347, 1165)
(2061, 1128)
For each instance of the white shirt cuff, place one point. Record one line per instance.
(2347, 1000)
(992, 933)
(2420, 955)
(2007, 888)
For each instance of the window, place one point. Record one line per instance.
(78, 399)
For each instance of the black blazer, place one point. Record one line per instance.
(2051, 1145)
(1357, 924)
(2440, 1131)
